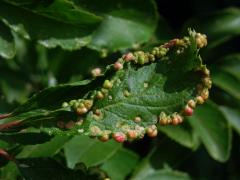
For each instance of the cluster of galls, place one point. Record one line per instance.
(107, 85)
(139, 57)
(80, 106)
(202, 93)
(173, 119)
(125, 134)
(202, 96)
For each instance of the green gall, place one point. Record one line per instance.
(107, 84)
(99, 95)
(137, 119)
(72, 102)
(65, 104)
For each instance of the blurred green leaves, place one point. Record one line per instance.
(86, 34)
(7, 47)
(213, 129)
(219, 26)
(72, 25)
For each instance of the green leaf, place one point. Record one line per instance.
(50, 169)
(25, 138)
(89, 151)
(9, 172)
(49, 30)
(219, 26)
(165, 153)
(125, 23)
(13, 85)
(227, 82)
(140, 90)
(213, 130)
(230, 64)
(7, 46)
(166, 174)
(233, 117)
(183, 135)
(116, 166)
(47, 149)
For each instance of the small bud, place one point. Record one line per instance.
(132, 134)
(151, 58)
(110, 97)
(145, 85)
(141, 59)
(104, 91)
(128, 57)
(81, 111)
(118, 66)
(175, 121)
(104, 137)
(126, 93)
(65, 104)
(207, 82)
(199, 100)
(188, 111)
(96, 72)
(81, 105)
(152, 131)
(119, 137)
(205, 94)
(99, 95)
(180, 119)
(79, 122)
(107, 84)
(76, 105)
(154, 52)
(97, 112)
(201, 40)
(191, 103)
(206, 71)
(169, 120)
(88, 103)
(137, 119)
(72, 102)
(163, 120)
(95, 131)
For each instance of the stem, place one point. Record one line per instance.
(3, 116)
(10, 125)
(5, 155)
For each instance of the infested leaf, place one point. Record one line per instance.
(127, 102)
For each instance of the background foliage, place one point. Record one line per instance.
(46, 43)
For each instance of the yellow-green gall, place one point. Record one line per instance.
(99, 95)
(107, 84)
